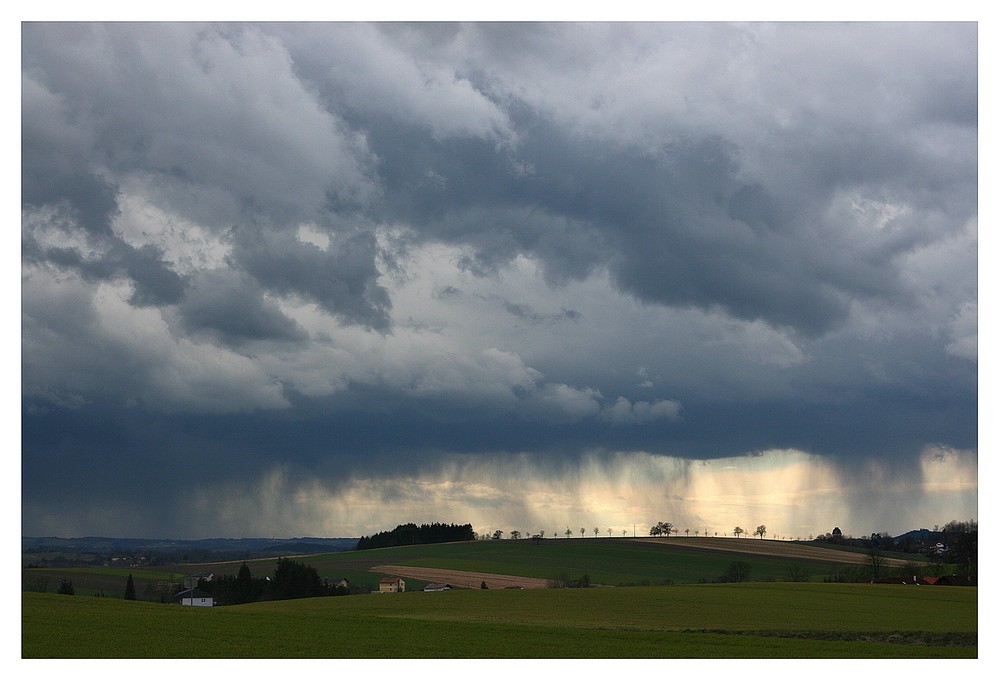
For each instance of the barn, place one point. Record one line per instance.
(434, 586)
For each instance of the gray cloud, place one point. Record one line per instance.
(231, 305)
(343, 279)
(312, 248)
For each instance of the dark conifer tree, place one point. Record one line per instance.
(129, 589)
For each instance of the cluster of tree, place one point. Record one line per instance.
(962, 539)
(661, 529)
(239, 588)
(405, 535)
(738, 571)
(564, 581)
(835, 537)
(956, 542)
(738, 531)
(291, 579)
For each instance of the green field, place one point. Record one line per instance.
(613, 562)
(767, 620)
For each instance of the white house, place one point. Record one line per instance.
(195, 597)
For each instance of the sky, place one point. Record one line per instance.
(320, 279)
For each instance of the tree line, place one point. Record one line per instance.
(290, 579)
(410, 533)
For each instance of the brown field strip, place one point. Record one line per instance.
(472, 580)
(777, 549)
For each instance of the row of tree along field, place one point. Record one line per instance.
(954, 542)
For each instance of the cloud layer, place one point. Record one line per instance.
(335, 250)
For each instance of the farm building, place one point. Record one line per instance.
(195, 597)
(391, 585)
(433, 586)
(955, 580)
(940, 581)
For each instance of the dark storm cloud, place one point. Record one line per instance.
(529, 315)
(230, 305)
(332, 248)
(91, 200)
(676, 229)
(342, 279)
(155, 283)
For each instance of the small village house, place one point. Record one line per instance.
(195, 597)
(391, 585)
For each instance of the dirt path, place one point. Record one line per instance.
(472, 580)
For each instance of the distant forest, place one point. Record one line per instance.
(405, 535)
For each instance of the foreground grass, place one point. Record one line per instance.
(698, 621)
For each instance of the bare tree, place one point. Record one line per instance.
(738, 531)
(596, 532)
(761, 530)
(876, 561)
(609, 531)
(515, 534)
(583, 532)
(569, 533)
(738, 571)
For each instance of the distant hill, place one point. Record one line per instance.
(174, 549)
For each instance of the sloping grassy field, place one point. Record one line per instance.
(614, 562)
(770, 620)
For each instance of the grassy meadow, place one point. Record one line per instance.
(612, 562)
(681, 613)
(748, 620)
